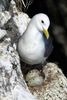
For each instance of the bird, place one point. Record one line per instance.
(35, 45)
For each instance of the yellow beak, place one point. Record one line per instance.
(46, 33)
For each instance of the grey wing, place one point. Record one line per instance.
(48, 47)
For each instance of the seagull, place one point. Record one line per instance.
(35, 45)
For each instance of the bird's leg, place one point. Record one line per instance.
(44, 63)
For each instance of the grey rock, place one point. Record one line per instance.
(4, 5)
(54, 86)
(2, 33)
(12, 84)
(4, 17)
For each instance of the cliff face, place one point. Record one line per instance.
(12, 83)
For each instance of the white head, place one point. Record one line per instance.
(41, 22)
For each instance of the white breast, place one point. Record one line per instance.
(32, 49)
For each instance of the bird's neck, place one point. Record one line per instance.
(32, 30)
(31, 34)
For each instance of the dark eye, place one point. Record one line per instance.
(42, 21)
